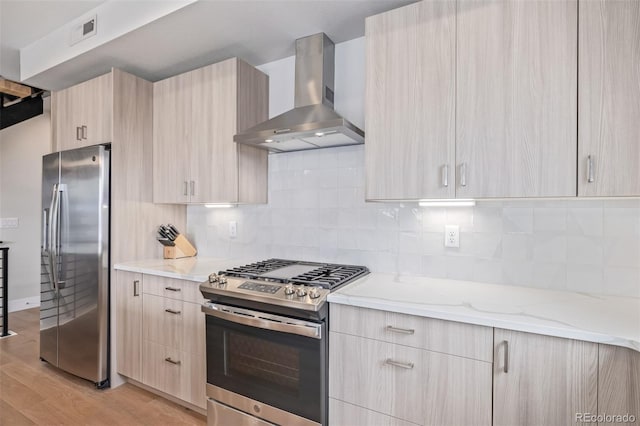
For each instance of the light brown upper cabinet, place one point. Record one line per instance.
(82, 114)
(516, 97)
(542, 380)
(474, 98)
(195, 116)
(609, 89)
(410, 102)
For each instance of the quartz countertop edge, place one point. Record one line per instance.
(604, 319)
(195, 269)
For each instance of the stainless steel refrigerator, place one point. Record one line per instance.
(74, 294)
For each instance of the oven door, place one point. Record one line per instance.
(279, 361)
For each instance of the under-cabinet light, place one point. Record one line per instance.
(447, 203)
(218, 206)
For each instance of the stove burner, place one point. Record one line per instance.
(324, 275)
(254, 270)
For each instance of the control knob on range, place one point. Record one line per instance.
(314, 293)
(289, 290)
(301, 292)
(213, 278)
(222, 281)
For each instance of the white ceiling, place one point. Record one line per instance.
(207, 31)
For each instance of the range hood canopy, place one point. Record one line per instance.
(312, 123)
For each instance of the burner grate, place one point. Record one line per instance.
(256, 269)
(330, 276)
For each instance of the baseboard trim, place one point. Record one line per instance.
(22, 304)
(171, 398)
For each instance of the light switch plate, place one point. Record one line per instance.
(9, 222)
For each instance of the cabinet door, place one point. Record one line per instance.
(171, 139)
(94, 106)
(516, 98)
(214, 162)
(128, 310)
(619, 382)
(542, 380)
(609, 132)
(65, 130)
(410, 98)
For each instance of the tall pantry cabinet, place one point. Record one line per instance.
(125, 112)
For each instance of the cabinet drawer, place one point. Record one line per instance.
(449, 337)
(344, 414)
(359, 374)
(172, 288)
(423, 387)
(174, 323)
(163, 320)
(177, 373)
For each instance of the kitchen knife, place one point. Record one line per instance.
(162, 232)
(166, 242)
(170, 234)
(174, 229)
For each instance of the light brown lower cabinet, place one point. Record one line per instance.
(343, 413)
(161, 335)
(542, 380)
(400, 383)
(619, 384)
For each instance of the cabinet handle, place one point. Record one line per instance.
(445, 175)
(172, 289)
(171, 361)
(463, 174)
(506, 356)
(400, 330)
(136, 288)
(84, 132)
(590, 176)
(407, 365)
(78, 135)
(171, 311)
(193, 187)
(186, 188)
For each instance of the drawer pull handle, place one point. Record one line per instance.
(172, 289)
(407, 365)
(171, 311)
(400, 330)
(170, 361)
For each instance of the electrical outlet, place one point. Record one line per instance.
(452, 236)
(233, 229)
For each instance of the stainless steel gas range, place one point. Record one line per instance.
(267, 342)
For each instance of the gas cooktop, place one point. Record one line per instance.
(289, 283)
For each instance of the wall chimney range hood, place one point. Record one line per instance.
(312, 123)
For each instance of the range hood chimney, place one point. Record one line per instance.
(312, 123)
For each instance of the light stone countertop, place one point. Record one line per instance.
(188, 268)
(595, 318)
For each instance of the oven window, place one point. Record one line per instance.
(263, 362)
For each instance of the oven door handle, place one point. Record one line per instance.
(264, 320)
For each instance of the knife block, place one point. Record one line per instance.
(182, 248)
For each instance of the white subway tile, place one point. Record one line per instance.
(585, 251)
(517, 247)
(517, 220)
(487, 271)
(622, 281)
(622, 251)
(410, 242)
(587, 221)
(549, 275)
(460, 267)
(517, 273)
(549, 219)
(550, 247)
(434, 266)
(585, 278)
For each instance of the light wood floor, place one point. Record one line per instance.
(33, 392)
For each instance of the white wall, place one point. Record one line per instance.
(316, 211)
(21, 149)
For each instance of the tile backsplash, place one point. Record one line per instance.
(317, 212)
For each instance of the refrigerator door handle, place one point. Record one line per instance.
(53, 235)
